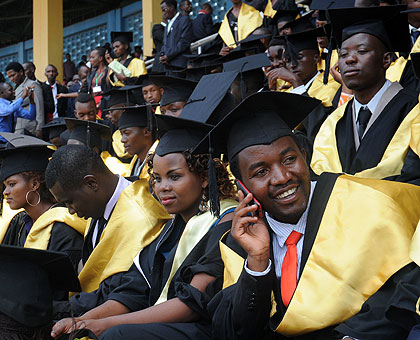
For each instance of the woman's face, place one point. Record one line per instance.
(15, 191)
(178, 189)
(119, 48)
(94, 58)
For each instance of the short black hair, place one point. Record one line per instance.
(51, 65)
(234, 162)
(170, 3)
(3, 84)
(84, 97)
(277, 42)
(70, 164)
(15, 66)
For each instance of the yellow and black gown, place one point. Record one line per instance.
(350, 223)
(165, 266)
(383, 148)
(55, 230)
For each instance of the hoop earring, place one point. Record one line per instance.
(203, 207)
(39, 198)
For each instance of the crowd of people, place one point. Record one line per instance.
(265, 188)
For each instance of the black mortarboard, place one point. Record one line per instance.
(178, 135)
(210, 100)
(144, 80)
(301, 24)
(286, 15)
(415, 60)
(330, 4)
(200, 66)
(89, 133)
(386, 23)
(54, 128)
(23, 153)
(29, 277)
(259, 119)
(175, 89)
(124, 37)
(139, 115)
(121, 95)
(253, 42)
(249, 63)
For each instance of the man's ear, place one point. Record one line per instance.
(317, 57)
(161, 90)
(147, 132)
(91, 182)
(387, 60)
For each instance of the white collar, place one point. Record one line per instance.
(53, 85)
(122, 184)
(283, 230)
(373, 103)
(171, 22)
(412, 28)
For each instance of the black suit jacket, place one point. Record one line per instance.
(202, 26)
(177, 42)
(61, 103)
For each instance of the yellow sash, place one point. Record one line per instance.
(269, 12)
(362, 218)
(115, 165)
(136, 221)
(118, 146)
(394, 72)
(415, 133)
(334, 59)
(40, 233)
(325, 157)
(136, 67)
(248, 20)
(6, 218)
(194, 231)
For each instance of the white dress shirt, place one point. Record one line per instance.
(54, 93)
(122, 184)
(170, 23)
(303, 88)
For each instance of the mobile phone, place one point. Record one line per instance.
(242, 187)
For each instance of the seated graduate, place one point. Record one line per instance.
(168, 280)
(138, 135)
(152, 93)
(124, 217)
(369, 135)
(52, 131)
(239, 22)
(124, 69)
(176, 92)
(43, 223)
(30, 277)
(300, 278)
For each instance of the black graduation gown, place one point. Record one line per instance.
(378, 136)
(242, 311)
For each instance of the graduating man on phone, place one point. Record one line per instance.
(316, 254)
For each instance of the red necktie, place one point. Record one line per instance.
(289, 268)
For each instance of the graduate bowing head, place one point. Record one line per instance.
(53, 130)
(24, 160)
(85, 107)
(78, 178)
(176, 92)
(180, 179)
(263, 151)
(29, 278)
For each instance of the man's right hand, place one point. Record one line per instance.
(225, 50)
(284, 74)
(251, 233)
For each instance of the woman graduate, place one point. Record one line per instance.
(123, 70)
(42, 224)
(167, 282)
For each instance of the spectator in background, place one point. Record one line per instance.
(177, 38)
(138, 52)
(158, 31)
(69, 69)
(10, 111)
(83, 61)
(29, 69)
(60, 103)
(2, 79)
(185, 7)
(16, 75)
(202, 25)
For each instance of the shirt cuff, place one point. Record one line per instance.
(348, 337)
(251, 272)
(299, 90)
